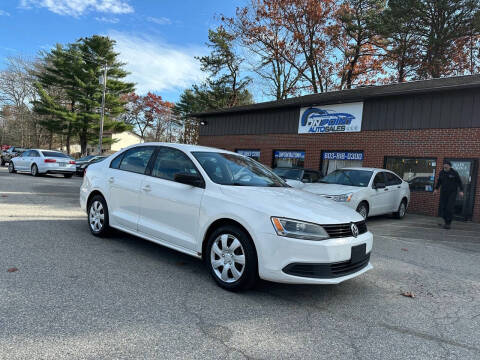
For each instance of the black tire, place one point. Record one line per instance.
(249, 275)
(402, 210)
(3, 162)
(68, 176)
(362, 209)
(105, 227)
(34, 170)
(11, 168)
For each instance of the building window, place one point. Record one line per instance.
(333, 160)
(288, 158)
(418, 172)
(254, 154)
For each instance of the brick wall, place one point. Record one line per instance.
(435, 143)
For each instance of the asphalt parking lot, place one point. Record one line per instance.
(74, 296)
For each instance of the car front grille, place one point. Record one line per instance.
(327, 271)
(344, 230)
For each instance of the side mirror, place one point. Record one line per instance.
(379, 186)
(189, 179)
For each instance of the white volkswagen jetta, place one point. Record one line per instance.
(230, 210)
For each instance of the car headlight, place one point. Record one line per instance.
(298, 229)
(342, 197)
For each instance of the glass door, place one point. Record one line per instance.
(467, 169)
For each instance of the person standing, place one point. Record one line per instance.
(449, 183)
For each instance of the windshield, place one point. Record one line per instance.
(288, 173)
(348, 177)
(236, 170)
(98, 159)
(86, 158)
(54, 154)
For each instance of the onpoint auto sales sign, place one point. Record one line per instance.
(331, 119)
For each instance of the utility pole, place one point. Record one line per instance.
(102, 114)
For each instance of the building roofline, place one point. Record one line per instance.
(358, 94)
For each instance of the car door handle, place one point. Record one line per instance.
(385, 189)
(147, 188)
(111, 180)
(399, 187)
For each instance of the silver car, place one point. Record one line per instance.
(37, 162)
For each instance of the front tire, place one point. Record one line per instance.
(402, 210)
(231, 258)
(98, 216)
(362, 209)
(3, 162)
(11, 168)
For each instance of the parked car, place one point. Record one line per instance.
(369, 191)
(81, 164)
(231, 211)
(38, 162)
(297, 177)
(9, 154)
(422, 183)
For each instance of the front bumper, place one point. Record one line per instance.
(276, 254)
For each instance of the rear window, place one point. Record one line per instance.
(54, 154)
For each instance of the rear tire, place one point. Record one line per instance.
(98, 216)
(230, 247)
(34, 170)
(362, 209)
(3, 162)
(11, 168)
(68, 176)
(402, 210)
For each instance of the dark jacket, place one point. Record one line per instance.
(449, 181)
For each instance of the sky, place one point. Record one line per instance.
(158, 39)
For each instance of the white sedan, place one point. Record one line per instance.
(38, 162)
(229, 210)
(369, 191)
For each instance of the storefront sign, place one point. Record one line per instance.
(289, 154)
(250, 153)
(343, 155)
(339, 118)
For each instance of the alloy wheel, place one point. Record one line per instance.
(96, 216)
(34, 170)
(227, 257)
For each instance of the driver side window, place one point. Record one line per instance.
(379, 179)
(171, 161)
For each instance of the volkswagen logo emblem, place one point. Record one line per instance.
(354, 229)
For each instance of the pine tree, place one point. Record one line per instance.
(75, 70)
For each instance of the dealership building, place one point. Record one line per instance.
(410, 128)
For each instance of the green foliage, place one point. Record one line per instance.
(70, 92)
(224, 86)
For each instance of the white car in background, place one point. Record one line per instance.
(38, 162)
(243, 220)
(369, 191)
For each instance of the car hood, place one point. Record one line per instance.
(330, 189)
(291, 203)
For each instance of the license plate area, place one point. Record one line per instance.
(62, 164)
(358, 253)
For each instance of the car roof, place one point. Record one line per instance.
(364, 168)
(55, 151)
(187, 147)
